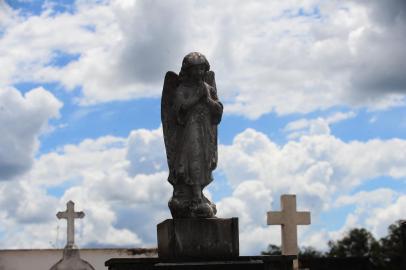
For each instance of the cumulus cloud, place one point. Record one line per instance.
(374, 210)
(382, 216)
(146, 27)
(121, 185)
(7, 16)
(316, 126)
(284, 57)
(23, 118)
(310, 160)
(249, 202)
(378, 68)
(315, 167)
(120, 207)
(118, 45)
(366, 204)
(145, 151)
(281, 56)
(383, 196)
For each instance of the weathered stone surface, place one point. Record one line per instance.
(70, 215)
(243, 263)
(190, 114)
(71, 261)
(198, 238)
(71, 257)
(289, 218)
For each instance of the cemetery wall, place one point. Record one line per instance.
(43, 259)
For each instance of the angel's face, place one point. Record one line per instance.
(196, 72)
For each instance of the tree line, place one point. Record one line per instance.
(384, 253)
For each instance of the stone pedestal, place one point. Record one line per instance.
(194, 238)
(71, 261)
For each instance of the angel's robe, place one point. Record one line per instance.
(196, 135)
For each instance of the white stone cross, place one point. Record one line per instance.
(289, 219)
(70, 216)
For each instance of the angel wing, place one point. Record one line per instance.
(210, 80)
(168, 117)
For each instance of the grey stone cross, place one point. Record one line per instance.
(289, 218)
(70, 216)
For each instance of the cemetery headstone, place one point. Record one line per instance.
(71, 257)
(289, 218)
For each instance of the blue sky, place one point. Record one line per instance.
(314, 97)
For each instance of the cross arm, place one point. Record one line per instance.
(60, 215)
(275, 218)
(303, 218)
(79, 214)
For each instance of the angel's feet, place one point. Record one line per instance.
(202, 209)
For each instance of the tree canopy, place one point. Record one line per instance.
(385, 253)
(357, 243)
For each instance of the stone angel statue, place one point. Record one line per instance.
(190, 113)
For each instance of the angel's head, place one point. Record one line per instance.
(194, 67)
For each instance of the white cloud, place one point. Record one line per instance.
(366, 204)
(317, 126)
(145, 150)
(23, 119)
(378, 67)
(381, 217)
(121, 185)
(365, 199)
(7, 16)
(249, 202)
(317, 168)
(267, 59)
(120, 56)
(374, 210)
(283, 56)
(94, 174)
(312, 160)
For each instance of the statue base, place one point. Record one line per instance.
(71, 260)
(243, 263)
(198, 238)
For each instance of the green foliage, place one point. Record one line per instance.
(306, 252)
(392, 243)
(272, 250)
(358, 243)
(310, 252)
(384, 254)
(391, 249)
